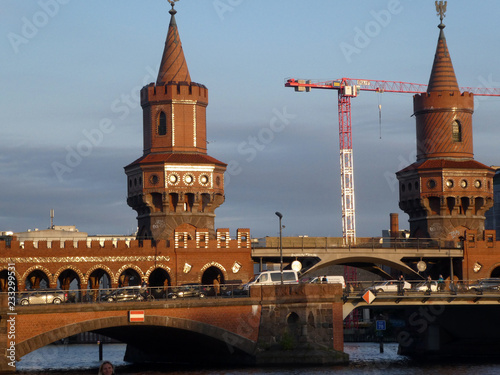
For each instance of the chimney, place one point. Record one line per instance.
(394, 225)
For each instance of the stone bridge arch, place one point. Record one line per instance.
(232, 340)
(394, 262)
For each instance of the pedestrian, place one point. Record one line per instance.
(440, 283)
(217, 285)
(429, 283)
(106, 368)
(401, 285)
(324, 279)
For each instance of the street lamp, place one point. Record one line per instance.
(281, 246)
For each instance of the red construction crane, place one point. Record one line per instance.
(348, 88)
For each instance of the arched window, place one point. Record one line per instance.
(456, 129)
(162, 124)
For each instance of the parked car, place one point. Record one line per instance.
(188, 291)
(329, 280)
(129, 293)
(388, 286)
(42, 297)
(273, 278)
(424, 287)
(486, 285)
(235, 290)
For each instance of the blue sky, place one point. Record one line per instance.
(70, 119)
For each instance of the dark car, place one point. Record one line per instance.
(42, 297)
(188, 291)
(130, 293)
(486, 285)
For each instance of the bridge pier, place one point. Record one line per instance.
(451, 331)
(299, 325)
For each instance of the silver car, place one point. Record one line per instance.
(42, 297)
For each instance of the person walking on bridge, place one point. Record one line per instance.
(217, 285)
(401, 285)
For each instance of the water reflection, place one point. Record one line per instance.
(365, 359)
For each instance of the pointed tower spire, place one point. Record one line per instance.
(175, 185)
(446, 191)
(173, 63)
(442, 75)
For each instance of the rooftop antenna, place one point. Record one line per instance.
(52, 219)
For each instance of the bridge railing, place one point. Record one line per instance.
(361, 242)
(124, 294)
(414, 287)
(190, 291)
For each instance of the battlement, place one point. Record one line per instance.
(182, 239)
(199, 239)
(444, 99)
(174, 91)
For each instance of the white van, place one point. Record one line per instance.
(329, 280)
(274, 278)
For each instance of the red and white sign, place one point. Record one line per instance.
(369, 297)
(135, 316)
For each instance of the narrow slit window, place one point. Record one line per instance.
(456, 128)
(162, 124)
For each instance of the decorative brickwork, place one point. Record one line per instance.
(51, 259)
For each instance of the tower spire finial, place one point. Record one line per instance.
(440, 9)
(172, 2)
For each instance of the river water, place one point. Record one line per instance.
(365, 359)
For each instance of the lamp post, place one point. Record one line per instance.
(281, 247)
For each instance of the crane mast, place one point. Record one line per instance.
(348, 88)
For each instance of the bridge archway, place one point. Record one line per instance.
(159, 280)
(368, 263)
(99, 277)
(495, 272)
(130, 275)
(5, 283)
(37, 278)
(161, 327)
(69, 278)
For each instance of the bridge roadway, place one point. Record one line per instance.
(413, 298)
(367, 256)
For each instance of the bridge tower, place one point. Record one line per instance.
(175, 183)
(445, 191)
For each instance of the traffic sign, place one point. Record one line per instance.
(380, 325)
(369, 297)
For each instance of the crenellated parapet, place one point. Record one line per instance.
(199, 239)
(157, 94)
(43, 264)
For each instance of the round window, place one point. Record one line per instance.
(204, 179)
(154, 179)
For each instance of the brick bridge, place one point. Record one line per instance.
(276, 324)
